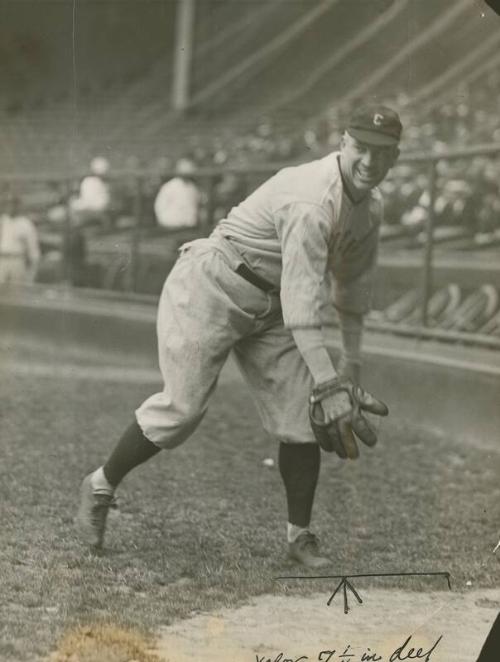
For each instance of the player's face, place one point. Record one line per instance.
(365, 166)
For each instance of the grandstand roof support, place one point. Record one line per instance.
(429, 245)
(183, 54)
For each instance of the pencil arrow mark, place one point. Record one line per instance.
(344, 585)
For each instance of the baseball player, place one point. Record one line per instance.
(269, 284)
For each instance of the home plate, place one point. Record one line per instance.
(389, 626)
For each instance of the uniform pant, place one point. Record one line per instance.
(13, 269)
(206, 310)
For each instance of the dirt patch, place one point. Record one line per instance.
(103, 643)
(306, 629)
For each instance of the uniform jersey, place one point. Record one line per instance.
(301, 231)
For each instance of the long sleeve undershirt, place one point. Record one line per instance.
(312, 342)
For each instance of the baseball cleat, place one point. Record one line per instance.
(90, 520)
(305, 550)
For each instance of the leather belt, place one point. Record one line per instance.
(246, 273)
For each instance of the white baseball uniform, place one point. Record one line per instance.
(313, 250)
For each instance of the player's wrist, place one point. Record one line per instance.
(310, 344)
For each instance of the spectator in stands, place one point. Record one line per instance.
(178, 201)
(19, 246)
(93, 203)
(451, 206)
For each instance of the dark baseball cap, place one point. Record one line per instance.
(375, 125)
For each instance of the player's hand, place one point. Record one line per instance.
(335, 406)
(336, 415)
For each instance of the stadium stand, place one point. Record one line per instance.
(272, 82)
(270, 79)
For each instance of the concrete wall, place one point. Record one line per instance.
(450, 389)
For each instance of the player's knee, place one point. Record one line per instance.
(168, 432)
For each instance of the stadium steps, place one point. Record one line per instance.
(161, 122)
(131, 118)
(225, 39)
(240, 107)
(476, 38)
(341, 28)
(120, 117)
(338, 26)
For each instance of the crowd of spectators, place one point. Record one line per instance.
(176, 193)
(467, 190)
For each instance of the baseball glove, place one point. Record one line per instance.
(336, 413)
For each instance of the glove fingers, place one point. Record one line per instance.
(363, 429)
(369, 403)
(348, 439)
(336, 439)
(327, 434)
(316, 414)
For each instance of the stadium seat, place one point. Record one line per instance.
(441, 304)
(474, 311)
(401, 309)
(492, 326)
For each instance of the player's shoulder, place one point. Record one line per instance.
(308, 182)
(312, 171)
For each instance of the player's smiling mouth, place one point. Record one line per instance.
(366, 176)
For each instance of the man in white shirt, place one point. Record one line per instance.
(178, 200)
(19, 247)
(94, 197)
(267, 285)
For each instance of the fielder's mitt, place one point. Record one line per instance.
(345, 402)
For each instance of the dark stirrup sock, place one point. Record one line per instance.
(132, 449)
(299, 467)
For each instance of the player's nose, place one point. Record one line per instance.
(368, 158)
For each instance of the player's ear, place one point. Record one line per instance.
(342, 141)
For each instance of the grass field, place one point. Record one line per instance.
(203, 526)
